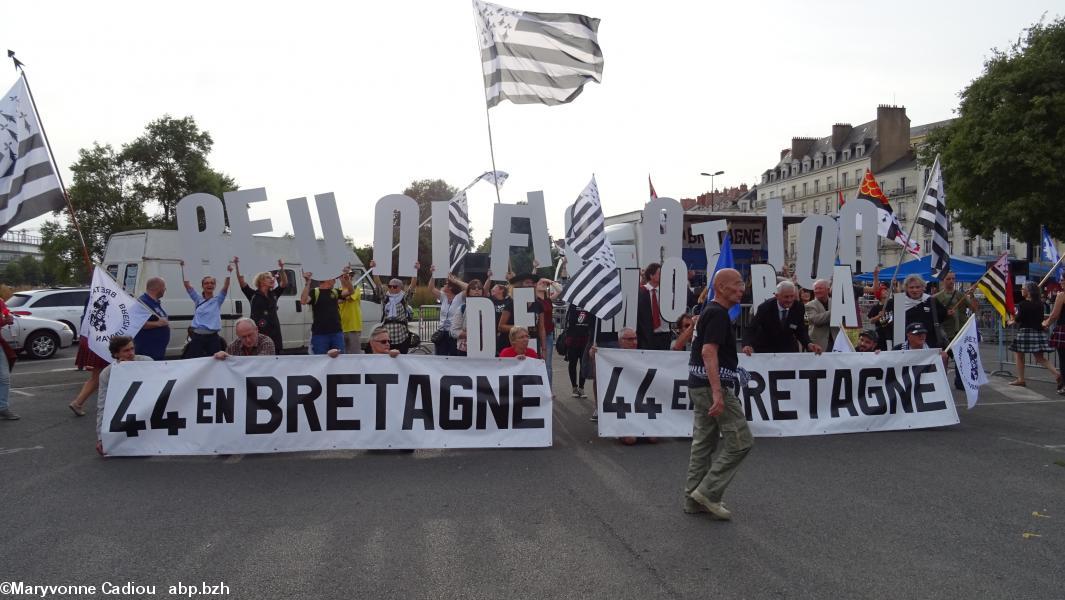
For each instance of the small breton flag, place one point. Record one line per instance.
(933, 214)
(995, 285)
(596, 287)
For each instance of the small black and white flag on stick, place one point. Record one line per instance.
(596, 287)
(536, 58)
(494, 177)
(29, 186)
(933, 214)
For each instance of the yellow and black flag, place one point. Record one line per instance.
(995, 284)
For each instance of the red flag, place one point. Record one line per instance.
(839, 199)
(652, 186)
(888, 226)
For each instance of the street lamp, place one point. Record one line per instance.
(711, 176)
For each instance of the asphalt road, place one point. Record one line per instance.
(971, 511)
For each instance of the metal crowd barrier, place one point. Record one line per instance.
(428, 320)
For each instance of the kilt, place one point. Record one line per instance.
(86, 358)
(1030, 341)
(1057, 339)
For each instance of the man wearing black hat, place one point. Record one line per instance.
(916, 337)
(867, 342)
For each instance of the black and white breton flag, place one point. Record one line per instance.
(536, 58)
(29, 186)
(459, 228)
(933, 214)
(596, 287)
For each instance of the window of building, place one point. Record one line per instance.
(803, 208)
(828, 183)
(831, 158)
(805, 165)
(968, 247)
(902, 183)
(817, 185)
(846, 154)
(843, 179)
(793, 192)
(804, 184)
(859, 151)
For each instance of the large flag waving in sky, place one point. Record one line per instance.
(29, 186)
(536, 58)
(1049, 253)
(933, 215)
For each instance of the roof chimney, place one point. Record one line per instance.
(801, 146)
(840, 131)
(784, 153)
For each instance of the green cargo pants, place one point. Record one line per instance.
(711, 477)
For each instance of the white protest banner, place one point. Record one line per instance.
(296, 403)
(110, 312)
(645, 393)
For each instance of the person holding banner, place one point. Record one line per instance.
(714, 379)
(207, 316)
(1031, 339)
(506, 320)
(154, 336)
(779, 325)
(249, 341)
(868, 342)
(380, 342)
(122, 349)
(819, 315)
(263, 299)
(474, 289)
(1057, 338)
(519, 345)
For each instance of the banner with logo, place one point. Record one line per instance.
(111, 311)
(645, 393)
(293, 403)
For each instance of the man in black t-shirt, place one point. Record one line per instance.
(326, 332)
(714, 380)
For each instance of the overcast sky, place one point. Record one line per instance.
(361, 98)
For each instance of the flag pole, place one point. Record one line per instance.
(909, 236)
(51, 159)
(491, 146)
(1051, 271)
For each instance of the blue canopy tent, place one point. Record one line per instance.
(967, 269)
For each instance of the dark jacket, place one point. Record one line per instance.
(929, 313)
(766, 333)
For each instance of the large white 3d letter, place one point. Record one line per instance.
(206, 245)
(848, 235)
(242, 229)
(673, 289)
(763, 284)
(330, 258)
(843, 306)
(480, 328)
(504, 238)
(711, 240)
(658, 239)
(774, 225)
(408, 235)
(819, 230)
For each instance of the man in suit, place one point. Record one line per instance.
(778, 324)
(819, 314)
(651, 329)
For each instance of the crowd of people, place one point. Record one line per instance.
(792, 320)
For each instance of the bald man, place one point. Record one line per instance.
(154, 336)
(713, 385)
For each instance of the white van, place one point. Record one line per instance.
(134, 257)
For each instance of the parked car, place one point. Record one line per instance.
(65, 305)
(38, 338)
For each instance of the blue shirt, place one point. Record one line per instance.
(208, 313)
(153, 342)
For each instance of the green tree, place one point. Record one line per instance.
(113, 191)
(169, 162)
(13, 274)
(31, 270)
(1002, 157)
(425, 192)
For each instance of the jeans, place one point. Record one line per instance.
(324, 342)
(5, 381)
(547, 355)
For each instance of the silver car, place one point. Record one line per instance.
(38, 338)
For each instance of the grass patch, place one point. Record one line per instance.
(1060, 463)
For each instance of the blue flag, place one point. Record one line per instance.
(724, 261)
(1050, 253)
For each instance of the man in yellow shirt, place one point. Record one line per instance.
(351, 315)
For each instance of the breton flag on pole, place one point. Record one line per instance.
(536, 58)
(995, 284)
(966, 346)
(888, 225)
(29, 186)
(933, 214)
(458, 212)
(494, 177)
(842, 342)
(596, 287)
(111, 311)
(1050, 254)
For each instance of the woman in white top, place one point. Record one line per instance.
(452, 297)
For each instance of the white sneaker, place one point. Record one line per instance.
(576, 392)
(595, 415)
